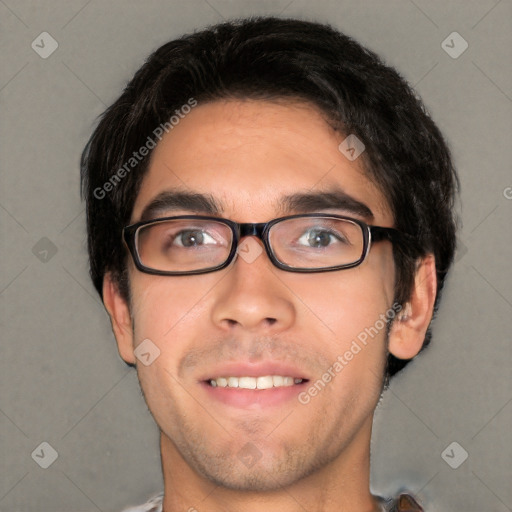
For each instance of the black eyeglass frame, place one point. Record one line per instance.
(261, 230)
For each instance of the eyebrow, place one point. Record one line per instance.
(170, 200)
(335, 199)
(303, 202)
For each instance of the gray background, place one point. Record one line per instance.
(61, 379)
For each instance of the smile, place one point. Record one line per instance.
(265, 382)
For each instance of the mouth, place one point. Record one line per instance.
(254, 386)
(247, 382)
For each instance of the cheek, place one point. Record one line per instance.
(344, 303)
(163, 396)
(165, 311)
(161, 304)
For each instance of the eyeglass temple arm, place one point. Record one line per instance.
(391, 234)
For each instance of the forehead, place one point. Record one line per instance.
(248, 155)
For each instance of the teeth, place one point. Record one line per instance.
(233, 382)
(288, 381)
(247, 382)
(221, 382)
(266, 382)
(278, 380)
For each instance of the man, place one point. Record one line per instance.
(269, 213)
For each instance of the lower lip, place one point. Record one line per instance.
(250, 398)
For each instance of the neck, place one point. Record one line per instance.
(340, 486)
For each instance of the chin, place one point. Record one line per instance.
(254, 480)
(251, 471)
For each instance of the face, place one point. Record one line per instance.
(254, 320)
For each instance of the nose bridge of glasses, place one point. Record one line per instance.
(251, 229)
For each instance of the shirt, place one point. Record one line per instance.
(402, 503)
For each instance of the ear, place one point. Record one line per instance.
(409, 328)
(120, 318)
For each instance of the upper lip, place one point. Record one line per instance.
(261, 369)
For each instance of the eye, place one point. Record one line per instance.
(320, 237)
(193, 238)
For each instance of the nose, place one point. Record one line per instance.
(251, 296)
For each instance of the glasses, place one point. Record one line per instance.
(196, 244)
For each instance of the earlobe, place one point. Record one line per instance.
(120, 318)
(410, 326)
